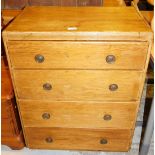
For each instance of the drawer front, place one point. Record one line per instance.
(76, 85)
(69, 114)
(78, 55)
(80, 139)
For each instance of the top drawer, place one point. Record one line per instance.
(77, 55)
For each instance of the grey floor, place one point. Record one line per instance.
(133, 151)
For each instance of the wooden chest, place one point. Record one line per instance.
(78, 74)
(11, 132)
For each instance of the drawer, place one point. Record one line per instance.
(78, 55)
(76, 85)
(80, 139)
(108, 115)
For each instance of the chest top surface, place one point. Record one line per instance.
(78, 23)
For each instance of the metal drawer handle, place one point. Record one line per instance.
(113, 87)
(39, 58)
(47, 86)
(46, 116)
(49, 140)
(103, 141)
(107, 117)
(110, 59)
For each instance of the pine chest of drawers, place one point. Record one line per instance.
(78, 75)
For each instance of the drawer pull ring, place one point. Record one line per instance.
(39, 58)
(49, 140)
(47, 86)
(107, 117)
(113, 87)
(110, 59)
(46, 116)
(103, 141)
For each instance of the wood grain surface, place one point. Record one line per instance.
(74, 85)
(78, 23)
(70, 114)
(75, 42)
(78, 139)
(78, 55)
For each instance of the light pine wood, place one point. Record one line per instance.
(148, 16)
(69, 114)
(78, 23)
(78, 139)
(74, 85)
(78, 55)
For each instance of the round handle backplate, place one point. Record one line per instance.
(39, 58)
(110, 59)
(107, 117)
(46, 116)
(113, 87)
(103, 141)
(47, 86)
(49, 140)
